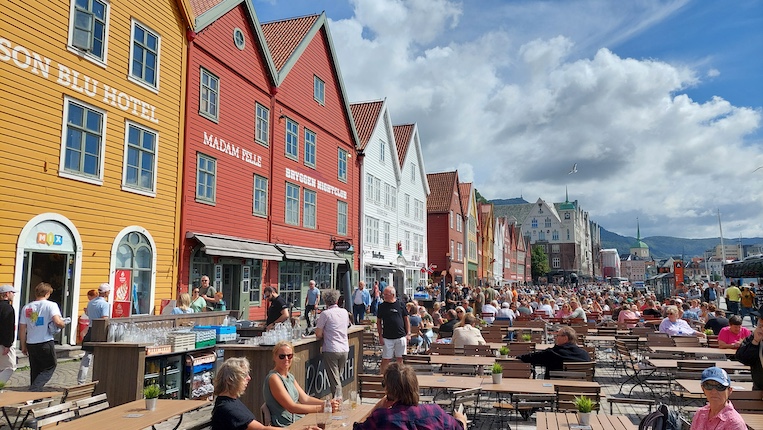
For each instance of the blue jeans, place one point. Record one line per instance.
(732, 307)
(358, 312)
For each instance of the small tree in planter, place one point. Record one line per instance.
(497, 373)
(709, 332)
(584, 406)
(504, 351)
(527, 337)
(151, 393)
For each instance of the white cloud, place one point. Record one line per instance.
(713, 73)
(513, 112)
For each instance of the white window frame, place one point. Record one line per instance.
(377, 190)
(407, 242)
(407, 199)
(262, 124)
(154, 87)
(103, 60)
(133, 188)
(341, 218)
(319, 90)
(556, 263)
(291, 134)
(205, 199)
(291, 200)
(382, 150)
(216, 116)
(372, 230)
(369, 187)
(460, 251)
(309, 208)
(451, 218)
(387, 234)
(459, 224)
(341, 164)
(413, 173)
(418, 207)
(452, 246)
(387, 195)
(263, 196)
(393, 199)
(62, 172)
(311, 149)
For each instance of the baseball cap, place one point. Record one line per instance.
(8, 289)
(716, 374)
(104, 288)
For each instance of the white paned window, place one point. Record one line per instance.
(382, 152)
(419, 208)
(377, 190)
(206, 178)
(387, 195)
(309, 210)
(459, 224)
(88, 28)
(451, 218)
(260, 195)
(556, 263)
(407, 199)
(460, 251)
(262, 124)
(452, 246)
(387, 231)
(82, 142)
(319, 90)
(369, 187)
(309, 148)
(140, 159)
(407, 240)
(292, 204)
(209, 95)
(372, 230)
(341, 218)
(342, 165)
(413, 173)
(144, 64)
(292, 139)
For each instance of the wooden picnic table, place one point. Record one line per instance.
(347, 416)
(133, 415)
(728, 365)
(753, 421)
(693, 386)
(12, 397)
(442, 382)
(693, 350)
(569, 420)
(507, 385)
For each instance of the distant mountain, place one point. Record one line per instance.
(664, 246)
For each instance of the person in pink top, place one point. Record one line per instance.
(718, 413)
(628, 312)
(731, 337)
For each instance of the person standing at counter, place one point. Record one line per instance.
(229, 413)
(197, 302)
(284, 397)
(331, 326)
(36, 338)
(207, 292)
(278, 310)
(96, 308)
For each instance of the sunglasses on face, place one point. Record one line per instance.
(714, 386)
(282, 356)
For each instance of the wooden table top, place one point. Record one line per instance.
(607, 338)
(11, 397)
(347, 416)
(565, 421)
(673, 364)
(696, 350)
(507, 385)
(440, 359)
(442, 382)
(693, 386)
(133, 415)
(753, 421)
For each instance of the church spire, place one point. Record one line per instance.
(638, 230)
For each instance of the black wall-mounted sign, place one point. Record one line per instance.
(342, 246)
(316, 378)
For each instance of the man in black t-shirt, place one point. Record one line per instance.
(278, 311)
(7, 332)
(393, 326)
(717, 322)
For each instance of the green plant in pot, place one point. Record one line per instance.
(504, 351)
(2, 386)
(584, 406)
(497, 371)
(151, 393)
(527, 337)
(709, 332)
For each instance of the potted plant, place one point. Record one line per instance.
(584, 406)
(151, 393)
(504, 351)
(497, 373)
(709, 332)
(2, 386)
(527, 337)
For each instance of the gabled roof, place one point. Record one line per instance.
(441, 186)
(403, 136)
(284, 37)
(208, 11)
(518, 212)
(366, 116)
(465, 189)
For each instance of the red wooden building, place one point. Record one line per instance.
(253, 214)
(444, 237)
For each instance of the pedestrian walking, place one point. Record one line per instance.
(311, 301)
(39, 322)
(394, 328)
(331, 326)
(7, 332)
(361, 302)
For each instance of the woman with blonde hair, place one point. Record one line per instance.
(184, 305)
(229, 412)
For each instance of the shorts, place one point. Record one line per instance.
(394, 348)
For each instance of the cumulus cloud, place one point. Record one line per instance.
(513, 112)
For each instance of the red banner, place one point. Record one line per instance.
(122, 286)
(678, 272)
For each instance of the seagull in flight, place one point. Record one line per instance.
(574, 169)
(761, 167)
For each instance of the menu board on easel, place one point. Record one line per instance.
(122, 283)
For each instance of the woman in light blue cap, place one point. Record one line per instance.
(718, 413)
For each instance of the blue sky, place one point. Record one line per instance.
(660, 103)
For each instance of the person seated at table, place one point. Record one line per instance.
(229, 412)
(717, 321)
(415, 320)
(449, 325)
(427, 323)
(184, 305)
(400, 408)
(674, 326)
(490, 308)
(577, 311)
(652, 309)
(564, 312)
(565, 349)
(718, 413)
(628, 312)
(468, 334)
(461, 313)
(285, 398)
(436, 315)
(731, 336)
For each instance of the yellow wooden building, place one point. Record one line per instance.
(91, 109)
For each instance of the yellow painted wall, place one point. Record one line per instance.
(31, 114)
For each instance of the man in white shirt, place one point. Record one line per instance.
(490, 308)
(37, 323)
(361, 302)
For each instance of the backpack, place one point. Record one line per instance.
(661, 419)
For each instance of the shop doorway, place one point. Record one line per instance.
(232, 286)
(56, 269)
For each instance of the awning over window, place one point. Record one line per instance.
(227, 246)
(310, 254)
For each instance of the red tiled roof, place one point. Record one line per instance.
(283, 37)
(201, 6)
(466, 192)
(366, 115)
(441, 186)
(403, 134)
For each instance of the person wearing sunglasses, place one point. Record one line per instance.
(229, 411)
(197, 302)
(718, 413)
(285, 398)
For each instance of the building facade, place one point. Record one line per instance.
(445, 228)
(472, 250)
(92, 110)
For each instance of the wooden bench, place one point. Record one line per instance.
(630, 401)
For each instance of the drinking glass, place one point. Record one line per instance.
(353, 399)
